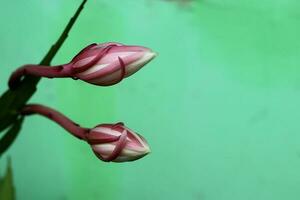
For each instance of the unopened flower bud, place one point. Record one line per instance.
(108, 63)
(117, 143)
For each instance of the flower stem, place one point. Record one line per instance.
(57, 117)
(35, 70)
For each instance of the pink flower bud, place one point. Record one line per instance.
(108, 63)
(117, 143)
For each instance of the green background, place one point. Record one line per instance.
(219, 105)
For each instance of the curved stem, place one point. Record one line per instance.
(57, 117)
(36, 70)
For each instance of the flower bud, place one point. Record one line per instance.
(117, 143)
(108, 63)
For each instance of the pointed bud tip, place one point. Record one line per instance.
(147, 151)
(151, 53)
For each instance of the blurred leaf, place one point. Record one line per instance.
(7, 190)
(12, 101)
(10, 136)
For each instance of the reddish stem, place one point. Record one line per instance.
(37, 70)
(57, 117)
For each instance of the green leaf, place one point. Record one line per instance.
(12, 101)
(7, 190)
(10, 136)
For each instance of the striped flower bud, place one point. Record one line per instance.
(99, 64)
(117, 143)
(107, 64)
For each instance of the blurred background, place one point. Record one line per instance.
(219, 105)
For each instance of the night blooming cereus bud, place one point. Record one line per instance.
(117, 143)
(99, 64)
(108, 63)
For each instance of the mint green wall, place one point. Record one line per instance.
(219, 105)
